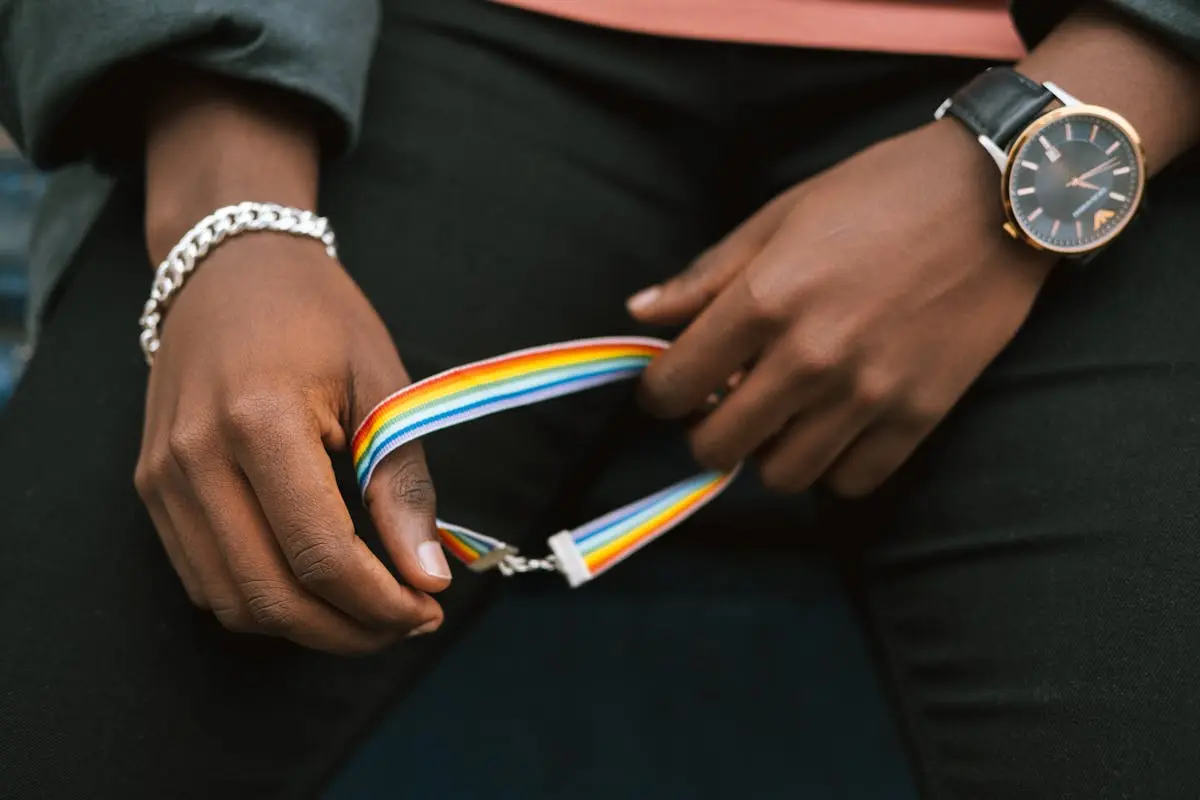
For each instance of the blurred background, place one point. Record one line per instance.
(20, 189)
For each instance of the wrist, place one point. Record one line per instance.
(1101, 57)
(977, 185)
(212, 233)
(214, 143)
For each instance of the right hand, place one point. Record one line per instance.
(270, 357)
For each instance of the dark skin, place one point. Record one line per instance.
(868, 299)
(271, 357)
(862, 318)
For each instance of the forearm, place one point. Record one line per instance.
(213, 142)
(1103, 59)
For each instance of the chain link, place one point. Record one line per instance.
(514, 565)
(218, 226)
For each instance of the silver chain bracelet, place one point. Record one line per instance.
(218, 226)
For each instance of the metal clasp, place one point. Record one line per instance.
(493, 559)
(515, 564)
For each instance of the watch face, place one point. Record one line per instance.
(1075, 179)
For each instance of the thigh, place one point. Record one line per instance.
(489, 207)
(1037, 568)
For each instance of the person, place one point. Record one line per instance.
(1005, 444)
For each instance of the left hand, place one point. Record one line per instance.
(852, 313)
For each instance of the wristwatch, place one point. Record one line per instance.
(1073, 174)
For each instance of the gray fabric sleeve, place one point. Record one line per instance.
(1176, 22)
(73, 73)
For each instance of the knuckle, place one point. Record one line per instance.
(187, 444)
(148, 473)
(768, 303)
(812, 356)
(873, 388)
(250, 411)
(410, 486)
(318, 565)
(271, 607)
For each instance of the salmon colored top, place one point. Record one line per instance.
(978, 28)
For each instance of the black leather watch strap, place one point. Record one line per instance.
(999, 104)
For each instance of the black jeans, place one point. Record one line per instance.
(1029, 579)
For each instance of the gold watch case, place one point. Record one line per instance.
(1013, 227)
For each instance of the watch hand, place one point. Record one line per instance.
(1082, 184)
(1112, 162)
(1089, 203)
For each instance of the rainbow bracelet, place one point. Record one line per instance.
(520, 379)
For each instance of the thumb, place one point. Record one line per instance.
(401, 498)
(688, 293)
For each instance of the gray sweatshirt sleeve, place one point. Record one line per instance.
(73, 73)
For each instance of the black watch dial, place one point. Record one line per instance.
(1075, 179)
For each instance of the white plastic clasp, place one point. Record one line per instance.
(570, 561)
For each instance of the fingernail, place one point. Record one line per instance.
(644, 299)
(433, 560)
(428, 627)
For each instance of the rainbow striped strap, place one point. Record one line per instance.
(521, 379)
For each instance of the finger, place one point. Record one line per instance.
(401, 497)
(403, 506)
(153, 467)
(808, 446)
(174, 549)
(274, 599)
(875, 456)
(196, 540)
(725, 336)
(778, 388)
(279, 448)
(687, 294)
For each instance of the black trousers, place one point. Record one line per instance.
(1029, 580)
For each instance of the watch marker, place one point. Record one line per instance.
(1029, 165)
(1118, 196)
(1095, 130)
(1037, 212)
(1051, 152)
(1079, 230)
(1112, 147)
(1054, 229)
(1102, 216)
(1121, 171)
(1027, 190)
(1068, 129)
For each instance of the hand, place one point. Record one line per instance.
(861, 304)
(270, 356)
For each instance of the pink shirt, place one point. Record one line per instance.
(979, 28)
